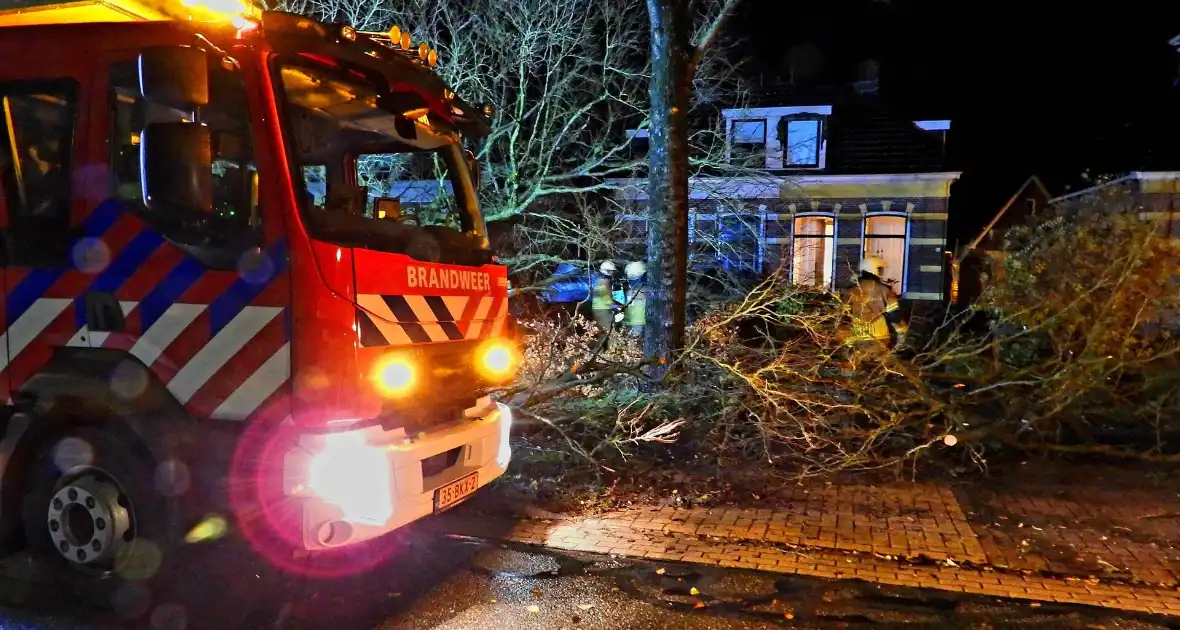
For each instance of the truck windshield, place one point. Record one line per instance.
(371, 178)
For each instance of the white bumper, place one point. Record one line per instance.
(382, 486)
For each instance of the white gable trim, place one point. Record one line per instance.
(773, 112)
(770, 187)
(933, 125)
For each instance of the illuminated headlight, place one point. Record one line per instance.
(394, 376)
(504, 454)
(497, 360)
(354, 476)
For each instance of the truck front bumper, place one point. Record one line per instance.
(357, 485)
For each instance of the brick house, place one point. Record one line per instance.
(824, 185)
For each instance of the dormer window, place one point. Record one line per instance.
(776, 138)
(748, 144)
(804, 137)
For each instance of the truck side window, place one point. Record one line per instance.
(237, 216)
(36, 142)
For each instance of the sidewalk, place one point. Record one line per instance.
(1046, 542)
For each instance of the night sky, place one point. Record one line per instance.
(1029, 89)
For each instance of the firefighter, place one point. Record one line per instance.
(874, 309)
(601, 296)
(636, 296)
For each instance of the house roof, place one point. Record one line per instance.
(865, 137)
(1148, 182)
(1032, 185)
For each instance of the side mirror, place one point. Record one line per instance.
(175, 76)
(408, 105)
(176, 163)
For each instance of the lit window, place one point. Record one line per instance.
(803, 142)
(748, 143)
(814, 250)
(885, 239)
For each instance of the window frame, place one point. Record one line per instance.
(16, 214)
(831, 256)
(720, 258)
(820, 129)
(904, 237)
(732, 141)
(274, 65)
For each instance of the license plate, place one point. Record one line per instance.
(455, 492)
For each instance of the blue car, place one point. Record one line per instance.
(570, 284)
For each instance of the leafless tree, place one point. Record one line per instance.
(567, 79)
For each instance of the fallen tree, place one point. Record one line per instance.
(1074, 351)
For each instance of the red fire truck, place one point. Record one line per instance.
(238, 254)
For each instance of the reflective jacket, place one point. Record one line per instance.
(868, 303)
(600, 294)
(637, 305)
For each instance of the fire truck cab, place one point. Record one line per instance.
(244, 261)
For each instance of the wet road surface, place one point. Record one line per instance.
(433, 582)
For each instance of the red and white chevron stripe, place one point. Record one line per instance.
(227, 376)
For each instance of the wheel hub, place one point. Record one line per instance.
(90, 520)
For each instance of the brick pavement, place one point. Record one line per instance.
(1049, 547)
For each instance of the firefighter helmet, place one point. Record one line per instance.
(873, 265)
(608, 268)
(635, 270)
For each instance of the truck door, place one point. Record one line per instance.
(37, 133)
(200, 300)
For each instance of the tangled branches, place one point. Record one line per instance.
(1072, 348)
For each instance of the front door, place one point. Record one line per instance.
(199, 300)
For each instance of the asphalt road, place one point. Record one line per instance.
(432, 582)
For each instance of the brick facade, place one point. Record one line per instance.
(763, 241)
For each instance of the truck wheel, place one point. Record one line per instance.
(102, 513)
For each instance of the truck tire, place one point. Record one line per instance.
(97, 513)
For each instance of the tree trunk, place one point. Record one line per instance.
(667, 224)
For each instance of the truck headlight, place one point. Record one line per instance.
(395, 376)
(497, 360)
(353, 475)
